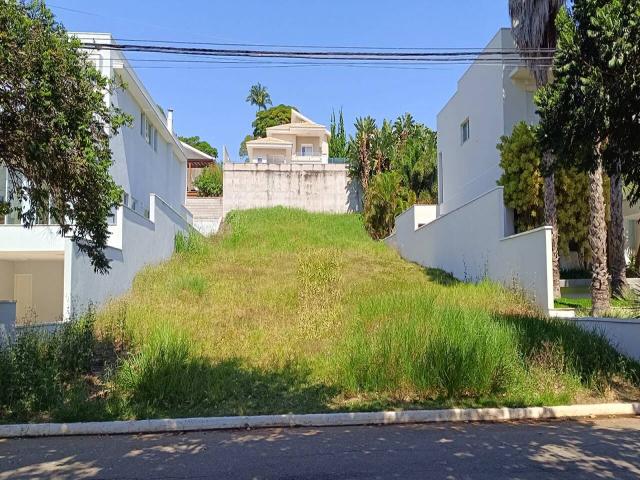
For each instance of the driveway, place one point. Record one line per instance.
(597, 449)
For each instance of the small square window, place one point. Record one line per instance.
(465, 132)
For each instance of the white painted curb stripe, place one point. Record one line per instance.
(318, 420)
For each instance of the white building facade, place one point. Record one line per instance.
(489, 102)
(470, 233)
(45, 273)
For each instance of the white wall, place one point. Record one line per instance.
(145, 242)
(486, 96)
(138, 168)
(316, 188)
(470, 243)
(623, 334)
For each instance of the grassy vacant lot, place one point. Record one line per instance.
(287, 311)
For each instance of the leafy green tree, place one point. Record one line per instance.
(209, 182)
(521, 164)
(56, 128)
(417, 164)
(386, 199)
(338, 140)
(520, 160)
(272, 117)
(202, 145)
(589, 114)
(259, 96)
(535, 34)
(242, 152)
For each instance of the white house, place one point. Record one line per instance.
(45, 273)
(490, 100)
(300, 141)
(470, 233)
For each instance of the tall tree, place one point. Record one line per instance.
(338, 140)
(534, 31)
(361, 150)
(259, 96)
(55, 128)
(278, 115)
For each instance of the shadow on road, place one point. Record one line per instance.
(591, 450)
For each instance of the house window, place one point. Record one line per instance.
(155, 140)
(306, 149)
(464, 131)
(143, 124)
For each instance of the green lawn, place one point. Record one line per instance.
(287, 311)
(585, 303)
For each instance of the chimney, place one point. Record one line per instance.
(170, 120)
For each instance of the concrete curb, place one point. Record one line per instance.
(318, 420)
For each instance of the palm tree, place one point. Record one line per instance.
(600, 296)
(403, 127)
(361, 151)
(259, 96)
(534, 31)
(618, 262)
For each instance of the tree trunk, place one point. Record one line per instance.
(600, 297)
(618, 261)
(551, 219)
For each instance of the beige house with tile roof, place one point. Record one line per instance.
(301, 141)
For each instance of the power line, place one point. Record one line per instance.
(498, 57)
(340, 47)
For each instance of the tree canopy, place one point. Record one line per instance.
(271, 117)
(338, 140)
(407, 149)
(202, 145)
(521, 164)
(55, 127)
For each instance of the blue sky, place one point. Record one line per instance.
(209, 101)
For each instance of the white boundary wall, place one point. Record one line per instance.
(624, 334)
(316, 188)
(144, 242)
(469, 242)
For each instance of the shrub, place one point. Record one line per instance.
(386, 199)
(37, 368)
(209, 182)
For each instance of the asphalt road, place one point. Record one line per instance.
(588, 449)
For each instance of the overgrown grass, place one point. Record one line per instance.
(41, 372)
(287, 311)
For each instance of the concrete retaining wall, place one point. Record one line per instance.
(470, 243)
(207, 213)
(316, 188)
(623, 334)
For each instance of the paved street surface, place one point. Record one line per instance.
(588, 449)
